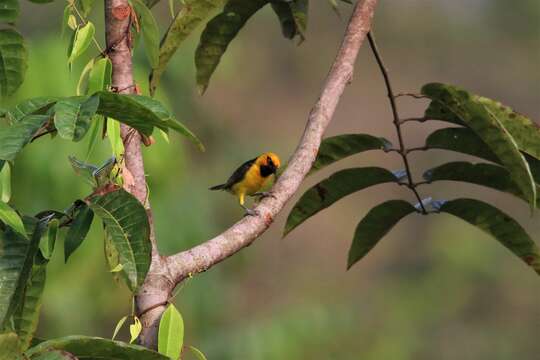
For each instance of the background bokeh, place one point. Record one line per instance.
(434, 288)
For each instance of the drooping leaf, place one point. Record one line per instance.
(10, 217)
(197, 353)
(83, 78)
(150, 31)
(499, 225)
(99, 77)
(142, 113)
(13, 61)
(5, 182)
(16, 260)
(171, 333)
(465, 141)
(330, 190)
(81, 41)
(523, 130)
(13, 138)
(489, 129)
(78, 230)
(85, 347)
(299, 10)
(118, 326)
(86, 6)
(126, 222)
(86, 171)
(9, 10)
(135, 329)
(115, 138)
(218, 34)
(9, 344)
(375, 225)
(192, 14)
(286, 19)
(34, 106)
(72, 116)
(26, 316)
(489, 175)
(335, 148)
(48, 241)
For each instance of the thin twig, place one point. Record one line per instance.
(420, 148)
(413, 95)
(396, 121)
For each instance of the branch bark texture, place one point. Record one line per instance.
(157, 286)
(166, 272)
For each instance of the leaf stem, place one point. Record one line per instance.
(397, 121)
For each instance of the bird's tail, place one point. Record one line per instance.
(219, 187)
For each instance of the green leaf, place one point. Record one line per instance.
(94, 134)
(465, 141)
(16, 136)
(65, 20)
(72, 116)
(115, 139)
(375, 225)
(85, 347)
(86, 171)
(13, 61)
(286, 19)
(81, 41)
(26, 316)
(55, 355)
(10, 217)
(34, 106)
(490, 130)
(5, 182)
(135, 329)
(86, 6)
(299, 10)
(335, 148)
(100, 76)
(523, 130)
(499, 225)
(48, 241)
(198, 353)
(171, 333)
(126, 222)
(150, 31)
(218, 34)
(9, 343)
(9, 10)
(192, 14)
(119, 326)
(78, 230)
(83, 78)
(142, 113)
(16, 261)
(492, 176)
(332, 189)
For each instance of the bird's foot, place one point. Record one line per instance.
(251, 212)
(264, 194)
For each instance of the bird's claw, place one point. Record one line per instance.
(251, 212)
(264, 194)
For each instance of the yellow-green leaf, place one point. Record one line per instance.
(171, 333)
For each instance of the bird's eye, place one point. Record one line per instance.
(269, 160)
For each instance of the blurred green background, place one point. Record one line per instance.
(434, 288)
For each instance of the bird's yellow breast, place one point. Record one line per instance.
(252, 182)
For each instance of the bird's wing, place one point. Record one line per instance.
(239, 174)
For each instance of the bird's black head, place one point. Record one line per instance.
(269, 163)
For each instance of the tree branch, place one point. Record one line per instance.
(243, 233)
(157, 286)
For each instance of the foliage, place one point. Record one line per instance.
(489, 130)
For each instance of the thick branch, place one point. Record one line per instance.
(157, 286)
(249, 228)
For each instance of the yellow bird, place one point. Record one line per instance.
(251, 177)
